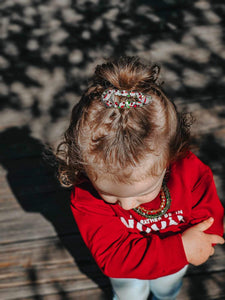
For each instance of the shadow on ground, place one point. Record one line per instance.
(49, 50)
(36, 189)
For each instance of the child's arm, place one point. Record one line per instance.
(206, 203)
(198, 246)
(206, 219)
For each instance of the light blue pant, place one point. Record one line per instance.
(163, 288)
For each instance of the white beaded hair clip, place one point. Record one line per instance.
(108, 98)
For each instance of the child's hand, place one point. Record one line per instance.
(197, 244)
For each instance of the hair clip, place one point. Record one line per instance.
(108, 98)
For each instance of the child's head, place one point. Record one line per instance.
(123, 144)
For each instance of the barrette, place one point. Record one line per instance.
(138, 98)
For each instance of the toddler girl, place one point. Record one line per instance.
(145, 205)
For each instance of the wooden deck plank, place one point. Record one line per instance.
(203, 287)
(71, 248)
(41, 288)
(92, 294)
(198, 286)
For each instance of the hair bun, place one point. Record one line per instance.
(126, 73)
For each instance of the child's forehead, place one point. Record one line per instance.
(122, 189)
(150, 166)
(148, 170)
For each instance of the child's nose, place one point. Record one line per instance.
(127, 203)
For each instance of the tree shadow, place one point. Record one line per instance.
(68, 37)
(36, 189)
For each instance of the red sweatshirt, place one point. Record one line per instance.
(127, 245)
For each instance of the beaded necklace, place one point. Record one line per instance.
(164, 205)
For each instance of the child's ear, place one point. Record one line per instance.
(155, 72)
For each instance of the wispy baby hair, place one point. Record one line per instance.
(114, 141)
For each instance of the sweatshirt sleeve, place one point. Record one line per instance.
(118, 252)
(206, 203)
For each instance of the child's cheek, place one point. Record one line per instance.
(109, 199)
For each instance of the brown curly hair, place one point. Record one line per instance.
(114, 141)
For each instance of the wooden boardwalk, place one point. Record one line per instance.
(48, 53)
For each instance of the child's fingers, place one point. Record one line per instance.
(212, 251)
(204, 225)
(216, 239)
